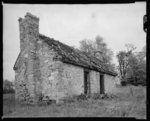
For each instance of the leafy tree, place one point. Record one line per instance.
(137, 67)
(132, 66)
(8, 86)
(137, 70)
(142, 54)
(97, 48)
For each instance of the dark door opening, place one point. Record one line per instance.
(102, 89)
(86, 83)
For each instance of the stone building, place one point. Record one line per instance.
(48, 69)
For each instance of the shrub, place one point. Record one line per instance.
(82, 97)
(6, 91)
(8, 87)
(74, 98)
(96, 96)
(123, 83)
(45, 100)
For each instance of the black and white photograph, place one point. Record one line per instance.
(74, 60)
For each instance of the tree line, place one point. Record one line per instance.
(132, 65)
(8, 86)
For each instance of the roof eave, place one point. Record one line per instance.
(68, 62)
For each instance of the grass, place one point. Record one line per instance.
(122, 103)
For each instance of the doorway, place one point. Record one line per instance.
(102, 88)
(86, 82)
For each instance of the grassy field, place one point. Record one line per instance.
(125, 102)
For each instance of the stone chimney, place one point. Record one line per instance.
(29, 31)
(29, 35)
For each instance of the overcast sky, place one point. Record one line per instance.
(118, 24)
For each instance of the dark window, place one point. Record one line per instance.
(102, 89)
(86, 82)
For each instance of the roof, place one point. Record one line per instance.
(73, 56)
(76, 57)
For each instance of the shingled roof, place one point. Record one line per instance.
(76, 57)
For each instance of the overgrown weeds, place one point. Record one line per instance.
(119, 104)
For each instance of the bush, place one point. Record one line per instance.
(74, 98)
(136, 81)
(8, 87)
(96, 96)
(45, 100)
(81, 97)
(6, 91)
(68, 100)
(123, 83)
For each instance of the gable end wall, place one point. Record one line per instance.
(49, 69)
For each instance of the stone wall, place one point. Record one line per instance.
(94, 81)
(72, 80)
(109, 83)
(58, 79)
(20, 82)
(49, 71)
(23, 83)
(28, 74)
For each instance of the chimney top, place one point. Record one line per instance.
(29, 15)
(20, 19)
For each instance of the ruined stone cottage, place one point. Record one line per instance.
(52, 70)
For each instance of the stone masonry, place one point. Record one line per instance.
(41, 75)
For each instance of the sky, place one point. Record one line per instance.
(118, 24)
